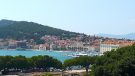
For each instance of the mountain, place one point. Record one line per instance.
(30, 30)
(126, 36)
(5, 22)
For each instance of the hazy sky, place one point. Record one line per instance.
(87, 16)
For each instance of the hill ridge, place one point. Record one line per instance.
(28, 30)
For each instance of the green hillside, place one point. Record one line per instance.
(30, 30)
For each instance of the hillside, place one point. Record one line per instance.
(30, 30)
(5, 22)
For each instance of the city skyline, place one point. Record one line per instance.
(90, 17)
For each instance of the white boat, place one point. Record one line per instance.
(78, 54)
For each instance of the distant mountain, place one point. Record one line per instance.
(126, 36)
(30, 30)
(5, 22)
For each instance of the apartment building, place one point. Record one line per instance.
(108, 47)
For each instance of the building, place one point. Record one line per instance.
(3, 45)
(76, 46)
(80, 46)
(12, 44)
(108, 47)
(42, 47)
(110, 44)
(22, 44)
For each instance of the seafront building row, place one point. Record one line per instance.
(75, 44)
(98, 45)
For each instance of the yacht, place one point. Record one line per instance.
(78, 54)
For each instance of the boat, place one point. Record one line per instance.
(78, 54)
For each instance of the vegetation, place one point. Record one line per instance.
(5, 22)
(40, 63)
(120, 62)
(30, 30)
(84, 61)
(116, 63)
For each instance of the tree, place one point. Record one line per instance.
(29, 30)
(84, 61)
(20, 62)
(23, 63)
(45, 62)
(120, 62)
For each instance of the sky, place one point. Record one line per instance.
(84, 16)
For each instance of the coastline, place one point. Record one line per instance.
(40, 50)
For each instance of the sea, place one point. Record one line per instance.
(60, 55)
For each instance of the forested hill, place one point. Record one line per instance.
(31, 30)
(5, 22)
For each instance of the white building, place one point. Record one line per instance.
(42, 47)
(107, 47)
(90, 48)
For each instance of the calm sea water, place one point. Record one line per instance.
(60, 55)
